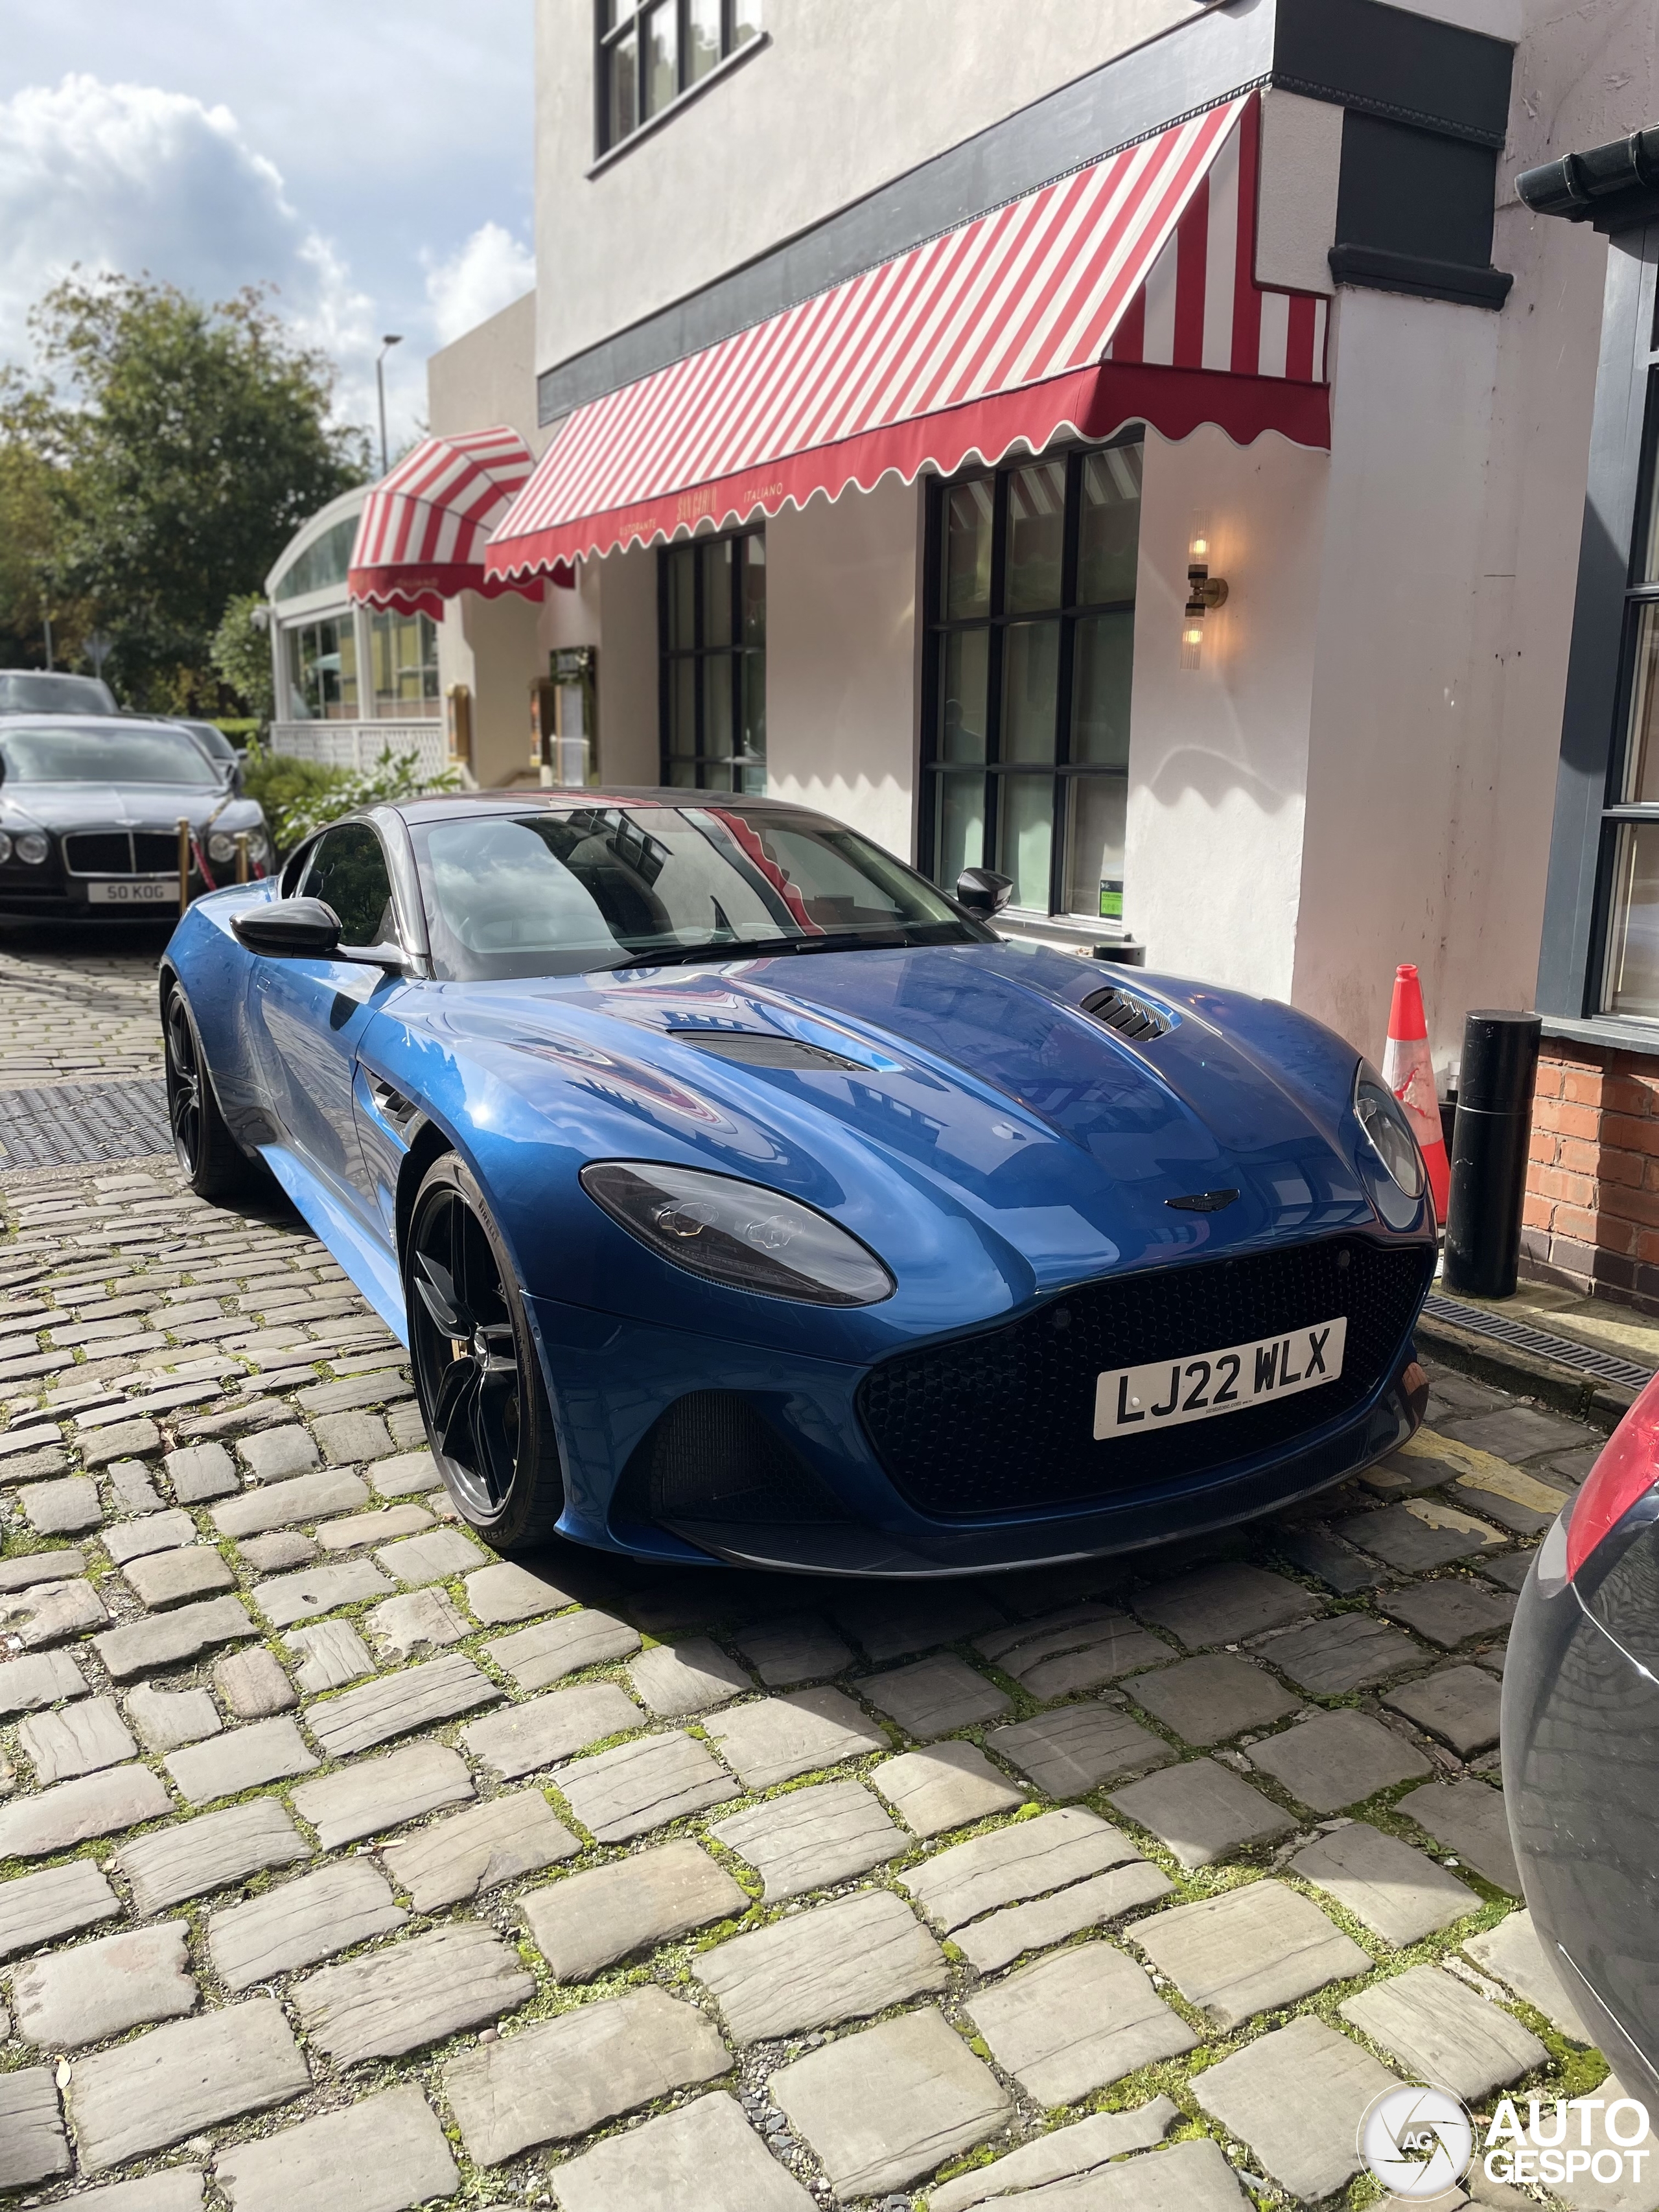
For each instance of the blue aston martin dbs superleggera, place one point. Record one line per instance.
(741, 1196)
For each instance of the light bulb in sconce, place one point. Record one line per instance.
(1204, 592)
(1192, 643)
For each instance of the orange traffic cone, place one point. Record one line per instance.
(1409, 1074)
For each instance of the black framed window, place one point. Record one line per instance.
(1630, 982)
(1030, 580)
(650, 54)
(711, 622)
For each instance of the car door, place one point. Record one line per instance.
(306, 1016)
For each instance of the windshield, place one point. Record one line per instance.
(23, 694)
(117, 754)
(555, 894)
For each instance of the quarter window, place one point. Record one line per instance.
(649, 55)
(1026, 753)
(347, 870)
(712, 627)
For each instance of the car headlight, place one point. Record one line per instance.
(32, 846)
(221, 846)
(1382, 1118)
(5, 846)
(737, 1233)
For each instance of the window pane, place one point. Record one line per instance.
(1641, 751)
(1108, 534)
(746, 22)
(682, 707)
(682, 597)
(968, 551)
(716, 775)
(610, 14)
(754, 589)
(717, 727)
(348, 870)
(1031, 690)
(1102, 663)
(662, 56)
(1633, 939)
(717, 591)
(623, 111)
(1026, 810)
(965, 658)
(754, 708)
(960, 835)
(1036, 533)
(1094, 845)
(682, 773)
(705, 38)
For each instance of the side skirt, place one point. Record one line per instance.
(370, 1266)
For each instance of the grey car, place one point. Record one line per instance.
(89, 815)
(53, 691)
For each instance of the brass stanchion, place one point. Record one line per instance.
(242, 856)
(184, 862)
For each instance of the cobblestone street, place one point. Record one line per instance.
(344, 1869)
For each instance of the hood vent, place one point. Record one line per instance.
(1136, 1019)
(757, 1048)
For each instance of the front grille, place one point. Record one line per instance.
(156, 852)
(1003, 1422)
(713, 1457)
(99, 852)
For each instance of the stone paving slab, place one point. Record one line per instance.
(296, 1923)
(359, 1530)
(1296, 2096)
(943, 1787)
(1467, 1817)
(45, 1612)
(1514, 1952)
(641, 1785)
(41, 1677)
(1338, 1566)
(252, 1684)
(441, 1555)
(378, 1793)
(1335, 1760)
(891, 1620)
(705, 2154)
(1398, 1891)
(240, 1758)
(312, 1497)
(1059, 2155)
(175, 2080)
(776, 1738)
(535, 1657)
(889, 2104)
(524, 1738)
(27, 1568)
(1001, 1937)
(103, 1987)
(473, 1851)
(193, 1857)
(816, 1968)
(71, 1813)
(35, 1908)
(1074, 2022)
(285, 1599)
(1460, 1705)
(1060, 1654)
(396, 1704)
(1201, 1811)
(558, 2078)
(507, 1591)
(412, 1994)
(809, 1838)
(1073, 1749)
(1011, 1863)
(1348, 1652)
(200, 1472)
(1223, 1604)
(1419, 1533)
(1439, 2030)
(80, 1741)
(329, 1656)
(156, 1532)
(688, 1677)
(1207, 1700)
(32, 2143)
(391, 2146)
(1451, 1611)
(1251, 1950)
(933, 1697)
(793, 1649)
(165, 1578)
(589, 1920)
(169, 2188)
(169, 1637)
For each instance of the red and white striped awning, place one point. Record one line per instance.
(1125, 291)
(421, 536)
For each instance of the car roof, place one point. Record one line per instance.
(561, 798)
(96, 725)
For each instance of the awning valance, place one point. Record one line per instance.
(421, 537)
(1125, 291)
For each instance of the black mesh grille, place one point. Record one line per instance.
(712, 1458)
(99, 852)
(1004, 1421)
(156, 852)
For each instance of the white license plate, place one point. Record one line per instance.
(1131, 1401)
(157, 892)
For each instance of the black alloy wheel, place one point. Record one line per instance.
(215, 1165)
(477, 1373)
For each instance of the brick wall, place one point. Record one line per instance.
(1592, 1214)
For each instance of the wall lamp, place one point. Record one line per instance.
(1204, 592)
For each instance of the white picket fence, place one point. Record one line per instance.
(360, 744)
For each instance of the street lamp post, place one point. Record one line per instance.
(387, 344)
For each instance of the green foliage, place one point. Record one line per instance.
(300, 796)
(240, 652)
(181, 445)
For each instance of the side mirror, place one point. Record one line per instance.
(983, 891)
(290, 929)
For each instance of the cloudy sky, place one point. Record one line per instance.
(372, 161)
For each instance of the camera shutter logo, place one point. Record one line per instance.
(1417, 2141)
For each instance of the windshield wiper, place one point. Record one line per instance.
(751, 948)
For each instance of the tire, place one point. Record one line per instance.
(477, 1376)
(214, 1163)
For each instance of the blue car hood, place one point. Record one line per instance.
(980, 1089)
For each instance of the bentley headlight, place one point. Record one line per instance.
(5, 847)
(32, 846)
(1382, 1118)
(221, 846)
(737, 1233)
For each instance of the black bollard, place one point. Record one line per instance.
(1490, 1141)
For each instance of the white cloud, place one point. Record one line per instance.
(487, 273)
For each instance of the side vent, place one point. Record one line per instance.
(392, 1106)
(755, 1048)
(1133, 1018)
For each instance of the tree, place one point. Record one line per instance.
(241, 654)
(187, 443)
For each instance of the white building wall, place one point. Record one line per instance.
(1218, 754)
(840, 659)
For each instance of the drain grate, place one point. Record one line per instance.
(67, 1124)
(1605, 1366)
